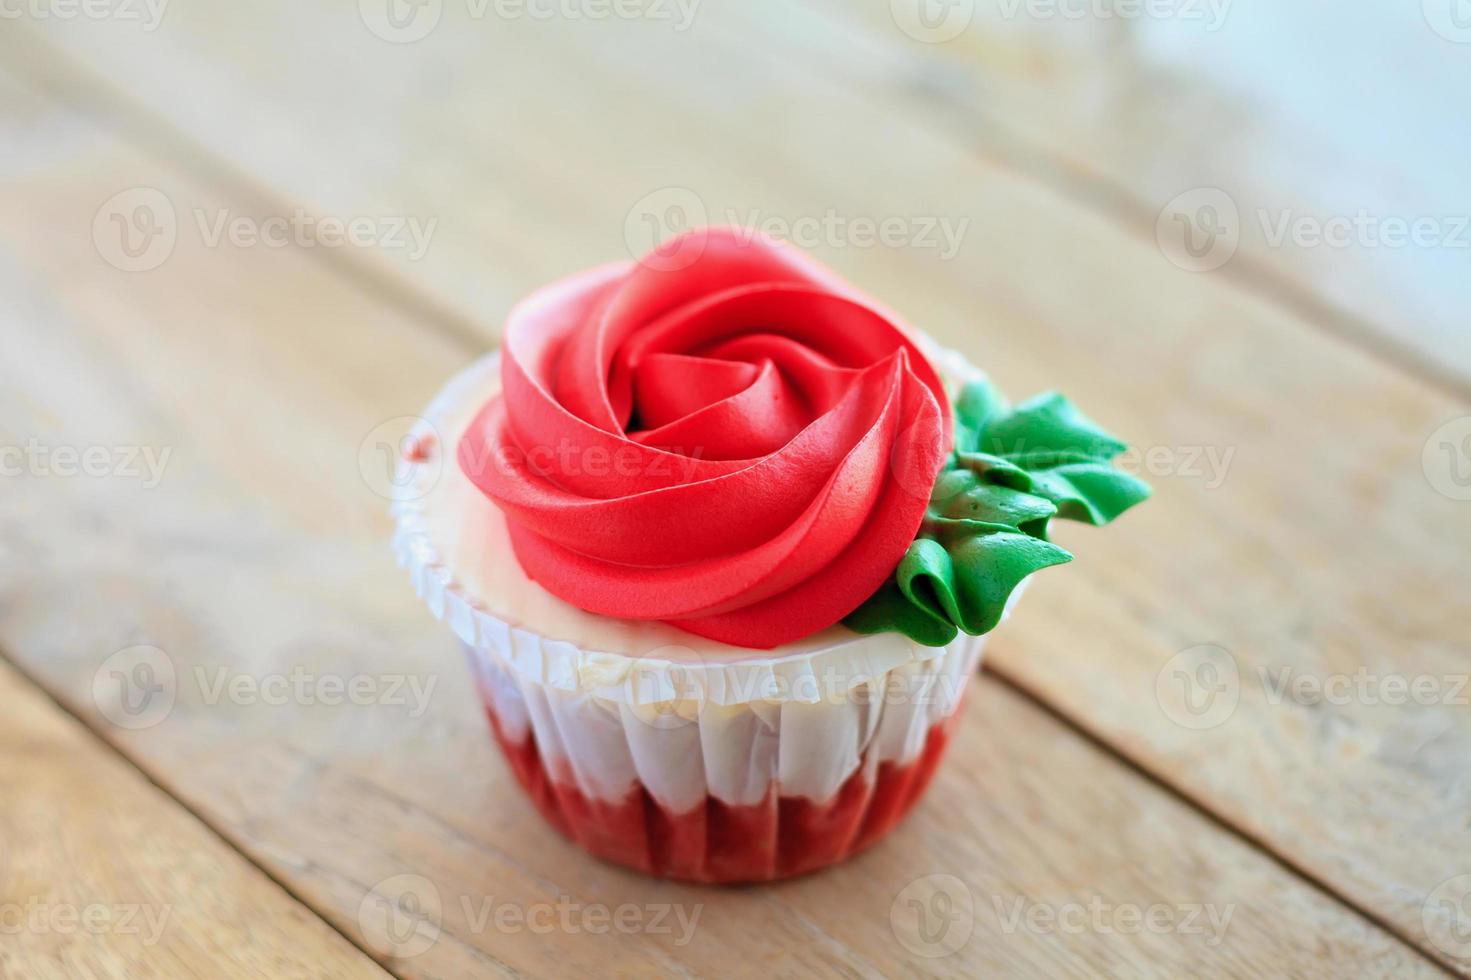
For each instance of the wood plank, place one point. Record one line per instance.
(1136, 116)
(102, 875)
(1327, 135)
(262, 552)
(1307, 518)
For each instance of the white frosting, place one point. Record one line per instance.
(455, 540)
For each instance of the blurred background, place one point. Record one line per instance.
(241, 245)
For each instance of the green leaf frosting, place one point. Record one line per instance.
(1012, 472)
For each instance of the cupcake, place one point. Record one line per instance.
(722, 537)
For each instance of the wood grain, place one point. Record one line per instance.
(1309, 122)
(102, 875)
(1298, 525)
(261, 552)
(1305, 121)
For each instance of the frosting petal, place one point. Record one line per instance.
(743, 447)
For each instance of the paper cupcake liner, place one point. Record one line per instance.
(726, 793)
(697, 760)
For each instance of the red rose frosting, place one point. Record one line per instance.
(742, 446)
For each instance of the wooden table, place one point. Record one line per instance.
(1232, 739)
